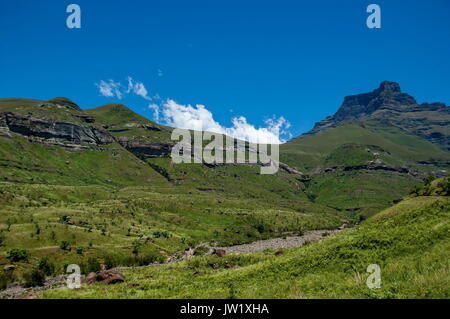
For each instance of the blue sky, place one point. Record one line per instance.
(256, 59)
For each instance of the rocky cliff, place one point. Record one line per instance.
(389, 106)
(52, 132)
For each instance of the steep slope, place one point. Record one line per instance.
(372, 151)
(152, 143)
(389, 106)
(55, 142)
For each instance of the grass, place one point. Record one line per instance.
(105, 221)
(409, 241)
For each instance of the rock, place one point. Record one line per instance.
(9, 268)
(279, 252)
(389, 106)
(91, 278)
(146, 149)
(53, 132)
(215, 265)
(219, 252)
(110, 276)
(228, 265)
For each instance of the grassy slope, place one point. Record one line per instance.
(309, 152)
(111, 220)
(25, 162)
(410, 241)
(352, 144)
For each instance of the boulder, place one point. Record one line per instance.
(110, 276)
(9, 268)
(219, 252)
(91, 278)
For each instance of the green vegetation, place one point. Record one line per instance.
(125, 204)
(409, 241)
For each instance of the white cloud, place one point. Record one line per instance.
(137, 88)
(199, 118)
(155, 109)
(110, 89)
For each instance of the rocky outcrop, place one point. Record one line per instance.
(146, 149)
(389, 106)
(53, 132)
(144, 126)
(371, 165)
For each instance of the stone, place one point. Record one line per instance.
(215, 265)
(110, 276)
(53, 132)
(91, 278)
(9, 268)
(219, 252)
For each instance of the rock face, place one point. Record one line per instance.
(53, 132)
(145, 149)
(388, 105)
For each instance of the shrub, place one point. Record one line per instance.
(161, 234)
(17, 254)
(46, 266)
(201, 250)
(64, 245)
(5, 279)
(34, 278)
(92, 265)
(136, 247)
(80, 250)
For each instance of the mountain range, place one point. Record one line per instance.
(98, 185)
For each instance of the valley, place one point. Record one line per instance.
(98, 188)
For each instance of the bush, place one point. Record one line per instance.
(64, 245)
(92, 265)
(161, 234)
(5, 279)
(136, 247)
(34, 278)
(17, 254)
(80, 250)
(46, 266)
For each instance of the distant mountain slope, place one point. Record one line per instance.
(372, 151)
(389, 106)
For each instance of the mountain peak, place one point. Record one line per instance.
(391, 87)
(387, 105)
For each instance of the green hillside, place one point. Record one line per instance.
(361, 167)
(409, 241)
